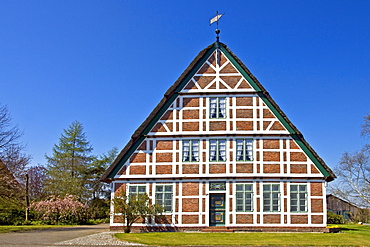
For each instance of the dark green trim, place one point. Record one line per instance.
(310, 155)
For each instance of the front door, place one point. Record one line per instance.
(217, 210)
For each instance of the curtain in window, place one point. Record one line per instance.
(222, 150)
(186, 151)
(213, 108)
(213, 150)
(222, 107)
(195, 153)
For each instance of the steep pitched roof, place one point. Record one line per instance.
(172, 93)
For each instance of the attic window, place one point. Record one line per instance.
(217, 107)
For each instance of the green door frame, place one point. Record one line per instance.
(217, 209)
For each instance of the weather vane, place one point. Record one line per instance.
(213, 20)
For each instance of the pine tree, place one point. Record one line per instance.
(69, 164)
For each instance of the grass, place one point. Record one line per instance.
(351, 235)
(5, 229)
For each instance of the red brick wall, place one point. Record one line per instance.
(190, 126)
(271, 168)
(271, 156)
(190, 189)
(217, 168)
(316, 189)
(164, 157)
(317, 205)
(244, 168)
(164, 145)
(217, 126)
(271, 218)
(190, 204)
(137, 169)
(244, 219)
(190, 219)
(163, 169)
(299, 219)
(190, 114)
(317, 219)
(191, 102)
(138, 158)
(298, 168)
(190, 168)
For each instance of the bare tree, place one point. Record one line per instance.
(353, 173)
(9, 134)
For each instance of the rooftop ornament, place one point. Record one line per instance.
(213, 20)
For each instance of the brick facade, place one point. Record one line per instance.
(259, 155)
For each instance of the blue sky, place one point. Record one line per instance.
(108, 63)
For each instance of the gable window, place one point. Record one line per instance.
(217, 150)
(244, 198)
(217, 107)
(271, 198)
(190, 150)
(298, 198)
(244, 150)
(163, 196)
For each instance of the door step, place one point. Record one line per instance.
(217, 229)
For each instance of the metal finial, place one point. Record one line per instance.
(215, 19)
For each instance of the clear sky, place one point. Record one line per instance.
(108, 63)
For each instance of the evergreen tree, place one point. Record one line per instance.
(69, 165)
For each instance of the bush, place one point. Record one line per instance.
(60, 210)
(335, 218)
(11, 216)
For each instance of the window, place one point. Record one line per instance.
(244, 150)
(298, 198)
(217, 150)
(244, 198)
(163, 196)
(190, 150)
(217, 107)
(136, 189)
(271, 198)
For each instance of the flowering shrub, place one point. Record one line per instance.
(60, 210)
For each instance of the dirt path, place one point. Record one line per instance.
(49, 237)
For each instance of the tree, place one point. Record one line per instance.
(132, 208)
(9, 134)
(69, 164)
(353, 173)
(60, 210)
(98, 188)
(13, 162)
(37, 177)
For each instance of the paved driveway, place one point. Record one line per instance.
(50, 237)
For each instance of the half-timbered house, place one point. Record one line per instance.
(218, 151)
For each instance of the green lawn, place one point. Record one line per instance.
(351, 235)
(4, 229)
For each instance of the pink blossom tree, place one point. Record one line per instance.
(60, 210)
